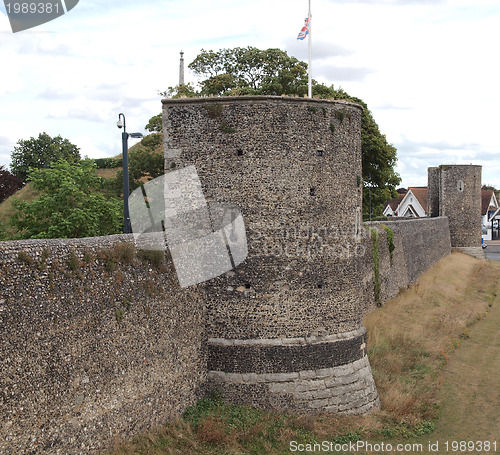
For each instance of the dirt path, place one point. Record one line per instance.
(471, 387)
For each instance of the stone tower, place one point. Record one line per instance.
(284, 328)
(455, 192)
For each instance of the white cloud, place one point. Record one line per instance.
(427, 69)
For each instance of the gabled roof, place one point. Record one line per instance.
(420, 192)
(488, 201)
(393, 203)
(410, 209)
(495, 215)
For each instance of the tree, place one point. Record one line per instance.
(72, 203)
(40, 152)
(244, 71)
(379, 158)
(9, 183)
(155, 124)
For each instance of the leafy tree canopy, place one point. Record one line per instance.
(155, 124)
(71, 204)
(40, 152)
(9, 183)
(245, 71)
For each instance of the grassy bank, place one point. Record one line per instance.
(411, 339)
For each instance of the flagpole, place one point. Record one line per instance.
(309, 87)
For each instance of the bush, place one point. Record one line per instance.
(9, 183)
(108, 163)
(72, 204)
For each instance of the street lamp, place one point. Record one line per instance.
(126, 214)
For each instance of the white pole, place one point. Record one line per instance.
(309, 89)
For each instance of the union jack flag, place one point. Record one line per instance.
(305, 29)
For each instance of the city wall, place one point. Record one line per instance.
(100, 342)
(98, 345)
(417, 244)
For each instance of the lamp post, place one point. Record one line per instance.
(126, 214)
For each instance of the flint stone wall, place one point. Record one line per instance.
(460, 201)
(455, 192)
(293, 168)
(94, 347)
(419, 244)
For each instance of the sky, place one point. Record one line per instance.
(428, 69)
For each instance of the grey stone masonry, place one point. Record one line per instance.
(433, 191)
(418, 244)
(459, 200)
(346, 389)
(293, 168)
(97, 345)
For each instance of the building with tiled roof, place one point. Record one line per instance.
(413, 204)
(489, 214)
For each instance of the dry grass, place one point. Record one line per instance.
(26, 193)
(411, 337)
(108, 173)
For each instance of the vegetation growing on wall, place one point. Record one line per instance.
(376, 266)
(25, 257)
(390, 241)
(216, 111)
(339, 115)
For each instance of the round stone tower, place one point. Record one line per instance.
(455, 192)
(284, 328)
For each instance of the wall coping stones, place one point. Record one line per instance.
(256, 98)
(404, 220)
(98, 242)
(471, 250)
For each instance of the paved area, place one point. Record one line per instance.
(492, 250)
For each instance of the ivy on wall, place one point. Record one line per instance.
(390, 241)
(376, 266)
